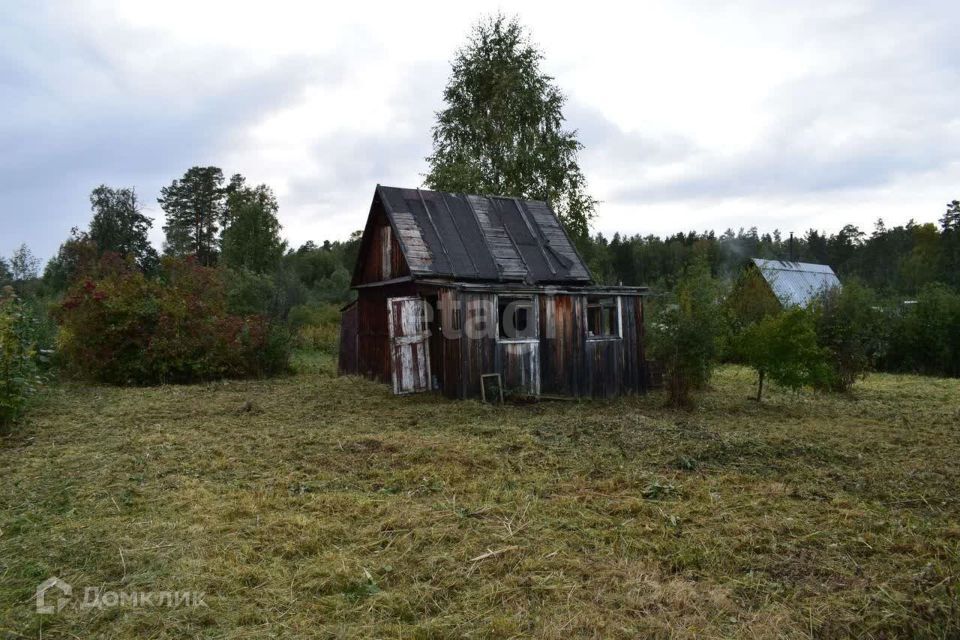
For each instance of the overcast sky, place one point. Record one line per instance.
(695, 115)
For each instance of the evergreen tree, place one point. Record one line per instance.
(194, 206)
(235, 195)
(119, 225)
(923, 264)
(843, 246)
(816, 247)
(950, 224)
(951, 219)
(501, 131)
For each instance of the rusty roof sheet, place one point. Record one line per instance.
(796, 283)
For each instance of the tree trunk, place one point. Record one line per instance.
(760, 387)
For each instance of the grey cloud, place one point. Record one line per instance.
(613, 146)
(87, 100)
(886, 110)
(64, 133)
(862, 126)
(353, 162)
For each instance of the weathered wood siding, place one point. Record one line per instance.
(517, 361)
(347, 363)
(373, 332)
(615, 366)
(561, 346)
(561, 361)
(634, 374)
(477, 351)
(449, 341)
(381, 257)
(604, 367)
(573, 364)
(519, 364)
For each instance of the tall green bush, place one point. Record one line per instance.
(685, 335)
(749, 302)
(784, 348)
(19, 375)
(851, 329)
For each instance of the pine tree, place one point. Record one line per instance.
(234, 194)
(195, 209)
(951, 219)
(501, 131)
(950, 223)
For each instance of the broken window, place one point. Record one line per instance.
(602, 317)
(516, 319)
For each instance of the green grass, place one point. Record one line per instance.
(316, 506)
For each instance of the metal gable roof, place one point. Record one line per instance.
(469, 237)
(796, 283)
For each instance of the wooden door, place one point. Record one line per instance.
(409, 345)
(520, 364)
(519, 353)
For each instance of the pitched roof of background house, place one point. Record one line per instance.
(493, 238)
(796, 283)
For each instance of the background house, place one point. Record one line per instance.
(795, 283)
(452, 287)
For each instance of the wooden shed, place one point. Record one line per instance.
(452, 288)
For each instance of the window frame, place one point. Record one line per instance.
(535, 317)
(617, 308)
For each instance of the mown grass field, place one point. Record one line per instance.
(312, 506)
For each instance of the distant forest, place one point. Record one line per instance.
(894, 261)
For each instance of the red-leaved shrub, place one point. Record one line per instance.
(121, 327)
